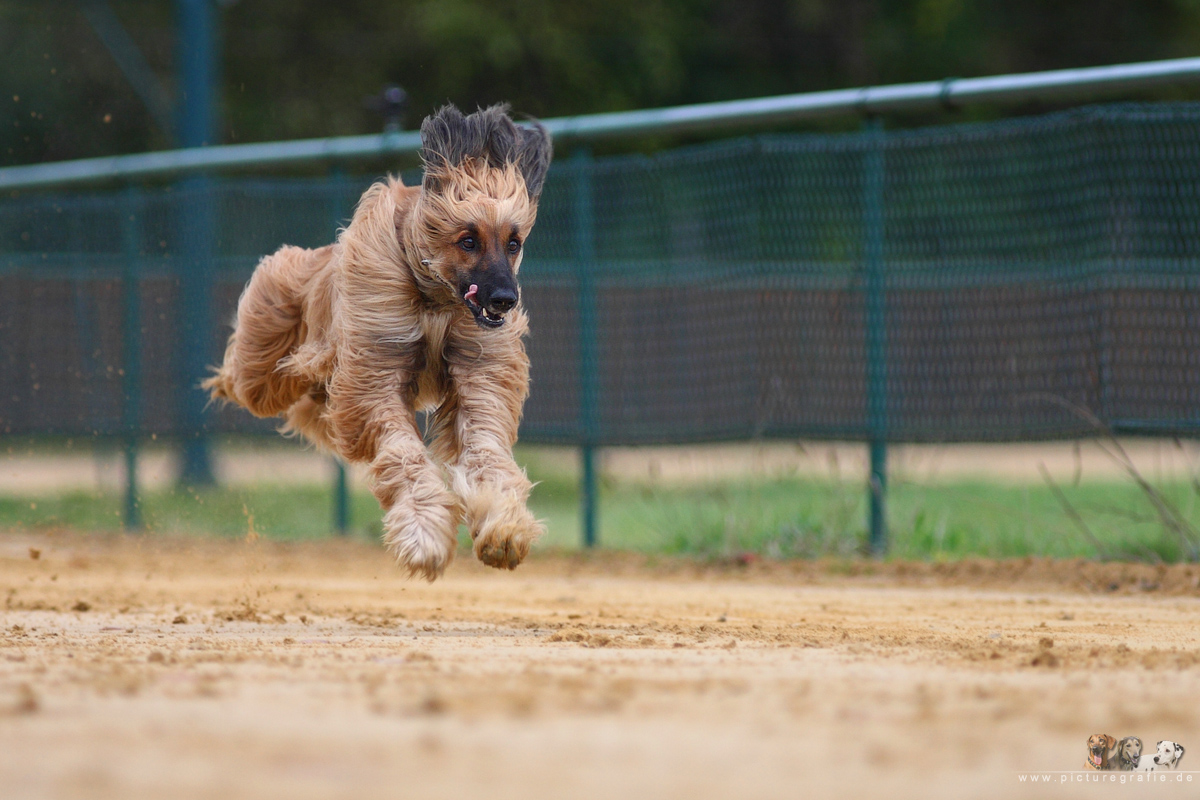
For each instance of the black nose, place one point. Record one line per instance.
(502, 300)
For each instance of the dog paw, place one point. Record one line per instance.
(504, 533)
(501, 553)
(422, 536)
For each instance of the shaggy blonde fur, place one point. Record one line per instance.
(349, 341)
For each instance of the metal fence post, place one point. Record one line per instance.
(197, 217)
(341, 499)
(874, 176)
(131, 381)
(197, 46)
(589, 387)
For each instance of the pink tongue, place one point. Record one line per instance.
(470, 295)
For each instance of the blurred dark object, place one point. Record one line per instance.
(288, 69)
(133, 65)
(391, 104)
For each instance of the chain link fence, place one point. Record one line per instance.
(1027, 279)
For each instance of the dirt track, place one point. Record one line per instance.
(204, 669)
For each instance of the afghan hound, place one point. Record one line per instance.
(415, 307)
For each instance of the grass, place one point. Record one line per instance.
(791, 518)
(285, 512)
(777, 518)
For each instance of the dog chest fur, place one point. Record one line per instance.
(431, 378)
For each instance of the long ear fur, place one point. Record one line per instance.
(448, 139)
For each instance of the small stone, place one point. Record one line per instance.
(433, 704)
(1044, 659)
(27, 700)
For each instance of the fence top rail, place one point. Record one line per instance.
(1075, 84)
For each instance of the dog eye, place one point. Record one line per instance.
(466, 243)
(514, 246)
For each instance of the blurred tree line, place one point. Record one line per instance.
(302, 68)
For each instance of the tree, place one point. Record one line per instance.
(302, 68)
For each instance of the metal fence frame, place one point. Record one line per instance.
(1072, 85)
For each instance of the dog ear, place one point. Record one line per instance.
(444, 141)
(1110, 741)
(534, 153)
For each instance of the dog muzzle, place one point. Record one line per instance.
(485, 317)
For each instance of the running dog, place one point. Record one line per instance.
(1099, 747)
(416, 307)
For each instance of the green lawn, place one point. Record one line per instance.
(778, 518)
(800, 518)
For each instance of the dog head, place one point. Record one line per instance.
(1129, 750)
(1098, 745)
(1169, 754)
(478, 202)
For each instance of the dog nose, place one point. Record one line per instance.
(502, 300)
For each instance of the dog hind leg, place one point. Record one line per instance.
(268, 328)
(309, 417)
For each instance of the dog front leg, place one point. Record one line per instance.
(493, 489)
(420, 514)
(421, 520)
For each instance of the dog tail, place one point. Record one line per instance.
(269, 326)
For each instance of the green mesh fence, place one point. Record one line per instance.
(963, 283)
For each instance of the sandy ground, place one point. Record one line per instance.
(32, 470)
(171, 668)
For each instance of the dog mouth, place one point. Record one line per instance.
(484, 317)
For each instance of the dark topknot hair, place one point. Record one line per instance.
(448, 138)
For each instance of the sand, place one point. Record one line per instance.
(206, 669)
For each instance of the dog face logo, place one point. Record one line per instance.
(1167, 756)
(1098, 747)
(1129, 750)
(483, 178)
